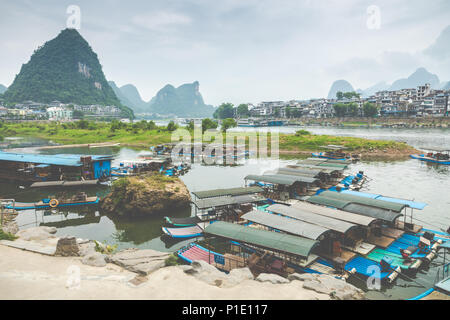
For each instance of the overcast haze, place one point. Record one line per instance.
(239, 50)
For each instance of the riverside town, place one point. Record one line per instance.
(308, 165)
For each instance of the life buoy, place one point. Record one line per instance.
(53, 203)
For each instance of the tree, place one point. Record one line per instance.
(208, 124)
(242, 110)
(288, 112)
(370, 109)
(77, 114)
(171, 126)
(225, 110)
(340, 109)
(351, 94)
(339, 95)
(352, 109)
(228, 123)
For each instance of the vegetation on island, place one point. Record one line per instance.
(147, 133)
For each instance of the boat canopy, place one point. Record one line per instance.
(437, 149)
(226, 192)
(70, 160)
(333, 147)
(299, 172)
(393, 206)
(292, 226)
(329, 166)
(409, 203)
(323, 221)
(314, 167)
(280, 179)
(335, 213)
(274, 241)
(226, 201)
(322, 160)
(346, 205)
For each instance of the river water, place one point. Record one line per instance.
(410, 179)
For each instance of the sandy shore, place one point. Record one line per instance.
(28, 275)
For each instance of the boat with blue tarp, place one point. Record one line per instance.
(436, 155)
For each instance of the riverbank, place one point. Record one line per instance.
(138, 136)
(383, 122)
(30, 276)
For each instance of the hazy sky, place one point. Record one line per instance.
(240, 50)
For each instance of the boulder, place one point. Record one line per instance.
(272, 278)
(67, 247)
(146, 195)
(334, 287)
(37, 233)
(139, 261)
(207, 273)
(95, 259)
(86, 248)
(301, 276)
(11, 227)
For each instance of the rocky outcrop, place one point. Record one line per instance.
(37, 233)
(213, 276)
(95, 259)
(272, 278)
(335, 288)
(139, 261)
(67, 247)
(320, 283)
(146, 195)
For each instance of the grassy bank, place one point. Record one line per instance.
(144, 135)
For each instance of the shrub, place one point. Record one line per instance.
(172, 260)
(7, 236)
(302, 133)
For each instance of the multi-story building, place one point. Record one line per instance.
(59, 113)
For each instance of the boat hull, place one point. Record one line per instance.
(421, 157)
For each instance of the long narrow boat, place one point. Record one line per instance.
(47, 203)
(438, 155)
(423, 157)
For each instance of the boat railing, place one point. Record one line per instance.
(442, 273)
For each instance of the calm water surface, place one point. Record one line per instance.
(409, 179)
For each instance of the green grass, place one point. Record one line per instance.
(136, 135)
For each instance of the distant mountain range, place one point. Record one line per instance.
(64, 69)
(2, 89)
(184, 101)
(417, 78)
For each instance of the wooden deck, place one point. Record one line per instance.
(401, 225)
(345, 255)
(362, 248)
(382, 241)
(392, 233)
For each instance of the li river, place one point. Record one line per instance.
(410, 179)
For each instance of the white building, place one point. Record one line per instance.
(58, 113)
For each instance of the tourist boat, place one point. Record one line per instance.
(52, 203)
(438, 155)
(335, 152)
(247, 123)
